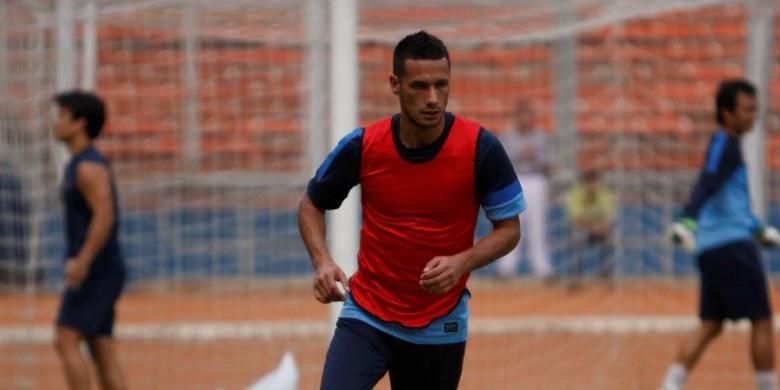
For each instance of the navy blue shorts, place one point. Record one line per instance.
(360, 355)
(733, 283)
(90, 308)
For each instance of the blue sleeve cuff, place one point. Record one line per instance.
(505, 203)
(503, 195)
(508, 209)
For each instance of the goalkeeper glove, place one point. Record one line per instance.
(683, 233)
(768, 236)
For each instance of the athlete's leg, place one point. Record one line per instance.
(424, 367)
(357, 357)
(103, 349)
(691, 349)
(697, 341)
(762, 344)
(67, 342)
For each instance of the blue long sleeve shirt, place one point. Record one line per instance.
(720, 201)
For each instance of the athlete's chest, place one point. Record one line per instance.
(444, 184)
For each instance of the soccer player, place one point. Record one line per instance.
(94, 268)
(424, 173)
(719, 225)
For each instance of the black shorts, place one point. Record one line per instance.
(733, 283)
(90, 308)
(360, 355)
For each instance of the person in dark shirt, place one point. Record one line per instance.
(94, 267)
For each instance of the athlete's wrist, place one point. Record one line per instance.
(322, 260)
(83, 259)
(465, 261)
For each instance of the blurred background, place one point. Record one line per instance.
(219, 113)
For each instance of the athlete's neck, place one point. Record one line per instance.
(732, 132)
(78, 144)
(413, 136)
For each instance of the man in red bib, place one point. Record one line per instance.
(424, 173)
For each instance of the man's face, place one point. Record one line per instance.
(423, 91)
(65, 127)
(744, 114)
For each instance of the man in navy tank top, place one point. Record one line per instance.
(94, 268)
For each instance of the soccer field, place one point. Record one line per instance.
(523, 335)
(221, 111)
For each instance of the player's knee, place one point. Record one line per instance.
(60, 344)
(65, 341)
(761, 321)
(57, 345)
(762, 325)
(713, 329)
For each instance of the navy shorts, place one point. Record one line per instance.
(360, 355)
(90, 308)
(733, 283)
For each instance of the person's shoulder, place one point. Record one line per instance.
(488, 137)
(91, 157)
(375, 130)
(92, 153)
(464, 122)
(724, 144)
(90, 172)
(382, 123)
(720, 136)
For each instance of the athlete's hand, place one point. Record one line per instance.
(326, 279)
(441, 274)
(75, 272)
(682, 233)
(768, 236)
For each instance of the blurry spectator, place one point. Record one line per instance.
(529, 149)
(591, 211)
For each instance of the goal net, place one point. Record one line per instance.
(218, 115)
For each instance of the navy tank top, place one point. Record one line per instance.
(78, 214)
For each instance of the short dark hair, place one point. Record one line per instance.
(726, 98)
(87, 105)
(418, 46)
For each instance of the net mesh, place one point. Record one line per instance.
(212, 138)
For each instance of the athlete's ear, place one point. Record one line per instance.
(729, 116)
(395, 84)
(81, 123)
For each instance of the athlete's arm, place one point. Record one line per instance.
(722, 159)
(326, 191)
(94, 183)
(311, 222)
(500, 241)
